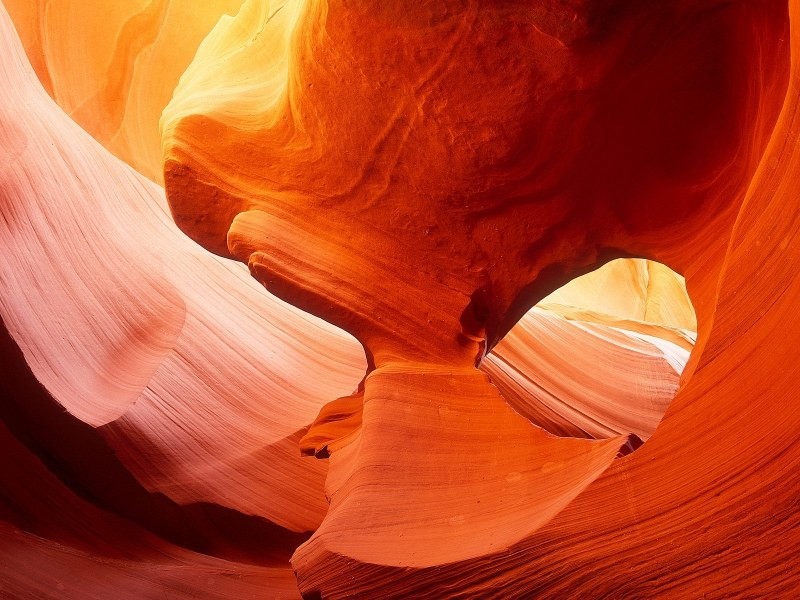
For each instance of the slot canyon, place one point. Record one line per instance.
(363, 299)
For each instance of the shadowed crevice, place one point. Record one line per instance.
(77, 454)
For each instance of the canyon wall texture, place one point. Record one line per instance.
(414, 406)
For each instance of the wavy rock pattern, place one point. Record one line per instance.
(119, 101)
(369, 164)
(374, 165)
(112, 66)
(601, 371)
(137, 331)
(574, 378)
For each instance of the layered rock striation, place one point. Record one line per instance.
(415, 409)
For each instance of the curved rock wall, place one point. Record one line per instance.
(416, 178)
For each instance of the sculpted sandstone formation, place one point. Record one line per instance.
(420, 177)
(112, 64)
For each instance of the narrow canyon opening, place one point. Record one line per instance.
(602, 355)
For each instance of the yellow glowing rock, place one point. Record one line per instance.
(112, 65)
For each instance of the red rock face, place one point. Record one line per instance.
(420, 177)
(501, 173)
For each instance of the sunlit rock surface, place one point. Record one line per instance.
(376, 166)
(112, 64)
(199, 381)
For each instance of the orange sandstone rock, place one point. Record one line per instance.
(112, 65)
(200, 382)
(441, 172)
(421, 176)
(583, 379)
(150, 352)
